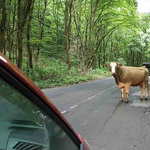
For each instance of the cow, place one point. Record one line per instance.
(126, 76)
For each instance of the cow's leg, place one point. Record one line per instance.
(122, 94)
(120, 84)
(146, 90)
(127, 92)
(141, 86)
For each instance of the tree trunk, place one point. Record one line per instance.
(66, 28)
(29, 45)
(68, 21)
(2, 26)
(91, 27)
(69, 36)
(19, 35)
(23, 11)
(20, 44)
(41, 19)
(13, 27)
(28, 38)
(111, 48)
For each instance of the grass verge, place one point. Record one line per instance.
(52, 73)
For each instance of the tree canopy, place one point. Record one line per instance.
(81, 33)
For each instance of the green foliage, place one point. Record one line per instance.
(52, 72)
(121, 60)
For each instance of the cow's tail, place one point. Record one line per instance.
(148, 85)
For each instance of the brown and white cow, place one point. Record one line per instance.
(126, 76)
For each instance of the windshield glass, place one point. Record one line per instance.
(24, 125)
(15, 107)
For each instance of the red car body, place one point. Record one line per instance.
(19, 75)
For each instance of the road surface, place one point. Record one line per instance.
(95, 111)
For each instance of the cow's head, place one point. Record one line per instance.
(113, 66)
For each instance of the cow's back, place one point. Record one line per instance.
(133, 75)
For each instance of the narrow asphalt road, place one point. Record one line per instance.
(94, 111)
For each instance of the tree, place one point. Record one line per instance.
(30, 54)
(83, 34)
(68, 24)
(24, 8)
(3, 25)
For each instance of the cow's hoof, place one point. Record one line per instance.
(145, 99)
(121, 100)
(141, 99)
(126, 102)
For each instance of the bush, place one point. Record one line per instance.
(53, 72)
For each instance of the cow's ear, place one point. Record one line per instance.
(119, 64)
(106, 65)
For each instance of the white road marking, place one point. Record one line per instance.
(88, 99)
(64, 112)
(73, 106)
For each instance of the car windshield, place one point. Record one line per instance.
(23, 125)
(14, 107)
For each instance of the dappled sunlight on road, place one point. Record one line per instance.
(139, 103)
(136, 102)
